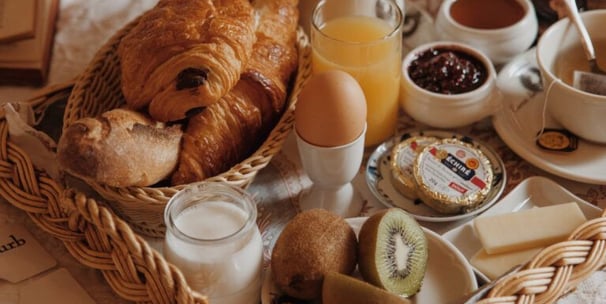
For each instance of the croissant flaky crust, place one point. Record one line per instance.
(226, 132)
(184, 54)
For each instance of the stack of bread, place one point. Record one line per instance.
(204, 82)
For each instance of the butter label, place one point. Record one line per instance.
(21, 255)
(454, 170)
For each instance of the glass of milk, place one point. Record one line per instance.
(213, 238)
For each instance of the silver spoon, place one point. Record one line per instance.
(572, 11)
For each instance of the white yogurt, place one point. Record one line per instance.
(217, 248)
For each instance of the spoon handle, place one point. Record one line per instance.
(572, 10)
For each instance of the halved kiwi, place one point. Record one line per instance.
(393, 252)
(339, 288)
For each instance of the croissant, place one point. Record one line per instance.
(226, 132)
(184, 54)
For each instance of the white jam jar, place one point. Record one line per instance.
(213, 238)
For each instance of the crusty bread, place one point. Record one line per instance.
(120, 148)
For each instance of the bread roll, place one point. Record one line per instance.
(121, 148)
(184, 54)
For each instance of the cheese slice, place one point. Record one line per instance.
(495, 265)
(530, 228)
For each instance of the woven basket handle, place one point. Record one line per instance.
(132, 268)
(90, 231)
(557, 269)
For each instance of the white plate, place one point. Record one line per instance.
(532, 192)
(517, 128)
(449, 276)
(378, 178)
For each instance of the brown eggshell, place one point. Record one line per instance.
(331, 109)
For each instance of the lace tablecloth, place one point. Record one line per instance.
(85, 25)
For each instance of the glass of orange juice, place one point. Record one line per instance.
(363, 38)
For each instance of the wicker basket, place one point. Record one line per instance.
(98, 90)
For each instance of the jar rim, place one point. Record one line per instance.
(204, 191)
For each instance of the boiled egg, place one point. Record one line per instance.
(330, 110)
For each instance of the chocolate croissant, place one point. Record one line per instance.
(226, 132)
(184, 54)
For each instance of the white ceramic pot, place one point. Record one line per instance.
(449, 110)
(501, 44)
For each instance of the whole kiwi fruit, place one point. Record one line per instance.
(313, 243)
(393, 252)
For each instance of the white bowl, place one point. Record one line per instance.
(582, 113)
(501, 44)
(445, 111)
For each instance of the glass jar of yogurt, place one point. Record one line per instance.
(213, 238)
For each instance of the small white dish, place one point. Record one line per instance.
(448, 110)
(500, 44)
(449, 276)
(520, 120)
(378, 178)
(532, 192)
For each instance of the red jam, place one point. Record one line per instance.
(447, 71)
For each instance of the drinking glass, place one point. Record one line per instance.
(363, 38)
(213, 238)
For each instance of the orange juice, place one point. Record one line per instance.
(370, 50)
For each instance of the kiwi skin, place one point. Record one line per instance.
(313, 243)
(340, 289)
(371, 252)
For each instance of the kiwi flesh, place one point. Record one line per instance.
(393, 252)
(339, 288)
(313, 243)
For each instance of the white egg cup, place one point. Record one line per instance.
(331, 170)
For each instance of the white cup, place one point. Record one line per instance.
(581, 113)
(501, 44)
(331, 169)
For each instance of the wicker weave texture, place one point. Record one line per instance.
(98, 90)
(557, 269)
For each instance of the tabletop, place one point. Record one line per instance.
(84, 26)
